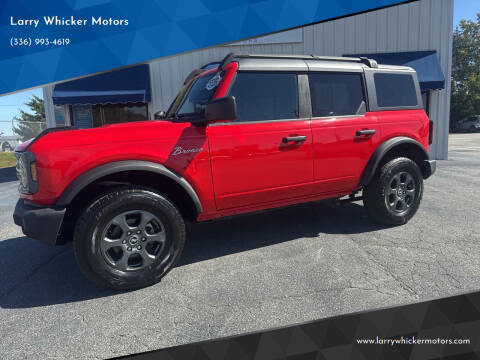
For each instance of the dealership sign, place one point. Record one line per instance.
(42, 42)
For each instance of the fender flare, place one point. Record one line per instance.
(120, 166)
(380, 152)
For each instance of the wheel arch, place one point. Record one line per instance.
(96, 181)
(118, 167)
(395, 147)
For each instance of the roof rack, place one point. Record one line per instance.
(363, 60)
(231, 56)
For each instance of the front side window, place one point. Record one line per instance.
(336, 94)
(265, 96)
(200, 92)
(395, 90)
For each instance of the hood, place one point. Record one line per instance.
(26, 144)
(126, 133)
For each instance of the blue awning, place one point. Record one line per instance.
(425, 63)
(121, 86)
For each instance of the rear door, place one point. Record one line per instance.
(266, 154)
(344, 134)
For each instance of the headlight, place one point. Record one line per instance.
(27, 173)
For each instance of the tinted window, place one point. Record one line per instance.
(336, 94)
(265, 96)
(395, 90)
(199, 94)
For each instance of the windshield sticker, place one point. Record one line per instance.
(213, 82)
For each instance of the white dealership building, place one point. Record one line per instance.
(416, 34)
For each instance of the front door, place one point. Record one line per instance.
(266, 154)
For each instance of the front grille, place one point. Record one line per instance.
(26, 184)
(17, 164)
(22, 177)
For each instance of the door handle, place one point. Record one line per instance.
(294, 139)
(366, 132)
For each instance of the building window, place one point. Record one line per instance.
(121, 113)
(336, 94)
(82, 116)
(60, 114)
(85, 116)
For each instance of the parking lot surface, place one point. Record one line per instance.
(246, 273)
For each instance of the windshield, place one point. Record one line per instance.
(197, 95)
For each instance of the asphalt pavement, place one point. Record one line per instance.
(246, 273)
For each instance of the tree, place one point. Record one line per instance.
(465, 71)
(30, 125)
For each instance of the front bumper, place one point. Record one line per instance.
(39, 222)
(429, 168)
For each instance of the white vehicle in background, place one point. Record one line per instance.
(8, 143)
(469, 124)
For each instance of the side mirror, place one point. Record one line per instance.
(224, 108)
(159, 115)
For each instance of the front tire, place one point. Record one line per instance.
(394, 194)
(128, 238)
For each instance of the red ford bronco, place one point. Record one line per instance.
(253, 133)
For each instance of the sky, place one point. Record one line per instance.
(10, 105)
(465, 9)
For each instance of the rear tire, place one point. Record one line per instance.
(128, 238)
(394, 194)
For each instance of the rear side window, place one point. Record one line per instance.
(336, 94)
(265, 96)
(395, 90)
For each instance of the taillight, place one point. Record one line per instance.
(430, 132)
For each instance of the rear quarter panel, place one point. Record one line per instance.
(409, 123)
